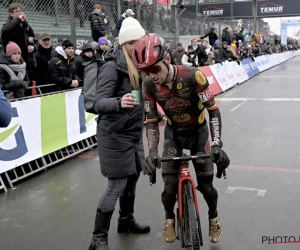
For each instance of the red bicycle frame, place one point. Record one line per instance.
(186, 177)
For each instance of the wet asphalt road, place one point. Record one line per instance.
(56, 209)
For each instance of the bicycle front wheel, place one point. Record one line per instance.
(189, 224)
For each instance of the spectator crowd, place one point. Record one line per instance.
(26, 61)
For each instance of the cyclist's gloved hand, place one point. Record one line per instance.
(152, 162)
(219, 157)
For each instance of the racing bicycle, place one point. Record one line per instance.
(188, 215)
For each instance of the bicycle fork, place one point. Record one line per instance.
(185, 177)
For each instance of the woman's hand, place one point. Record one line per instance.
(127, 101)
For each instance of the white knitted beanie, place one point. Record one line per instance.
(131, 30)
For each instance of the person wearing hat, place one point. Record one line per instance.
(216, 51)
(101, 48)
(97, 23)
(119, 133)
(62, 69)
(13, 75)
(86, 55)
(17, 30)
(44, 53)
(128, 13)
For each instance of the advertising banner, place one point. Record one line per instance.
(240, 72)
(43, 125)
(240, 9)
(278, 8)
(213, 82)
(250, 67)
(220, 74)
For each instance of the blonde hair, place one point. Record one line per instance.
(210, 53)
(132, 71)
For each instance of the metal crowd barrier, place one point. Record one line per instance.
(42, 163)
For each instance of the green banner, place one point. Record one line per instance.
(53, 123)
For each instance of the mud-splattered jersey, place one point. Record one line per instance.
(184, 102)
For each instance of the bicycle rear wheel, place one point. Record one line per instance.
(189, 224)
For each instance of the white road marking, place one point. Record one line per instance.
(237, 106)
(285, 76)
(260, 192)
(243, 99)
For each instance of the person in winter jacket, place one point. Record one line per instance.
(17, 30)
(240, 36)
(195, 45)
(13, 76)
(101, 49)
(5, 111)
(119, 133)
(178, 54)
(212, 36)
(226, 36)
(43, 55)
(168, 44)
(128, 13)
(217, 57)
(226, 53)
(86, 55)
(190, 57)
(62, 69)
(97, 23)
(202, 55)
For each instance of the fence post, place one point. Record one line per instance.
(119, 8)
(72, 23)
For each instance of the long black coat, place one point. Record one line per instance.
(14, 30)
(202, 56)
(212, 36)
(43, 56)
(119, 131)
(97, 26)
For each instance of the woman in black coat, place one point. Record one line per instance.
(119, 134)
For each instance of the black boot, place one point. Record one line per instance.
(102, 223)
(126, 222)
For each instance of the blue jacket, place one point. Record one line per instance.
(5, 111)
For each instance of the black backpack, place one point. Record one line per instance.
(91, 72)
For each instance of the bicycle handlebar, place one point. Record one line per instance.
(184, 158)
(191, 157)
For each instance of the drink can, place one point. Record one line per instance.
(137, 96)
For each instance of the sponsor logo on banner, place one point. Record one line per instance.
(213, 11)
(16, 131)
(253, 65)
(271, 8)
(210, 79)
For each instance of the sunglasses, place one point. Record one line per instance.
(155, 69)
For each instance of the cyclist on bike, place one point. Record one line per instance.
(184, 94)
